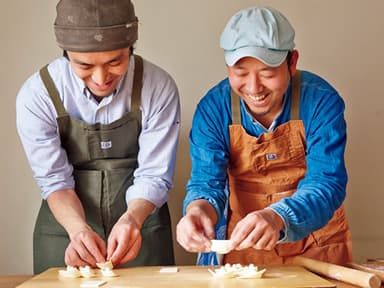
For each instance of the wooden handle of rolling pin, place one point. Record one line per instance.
(352, 276)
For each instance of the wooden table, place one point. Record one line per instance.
(12, 281)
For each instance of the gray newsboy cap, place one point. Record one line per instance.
(95, 25)
(260, 32)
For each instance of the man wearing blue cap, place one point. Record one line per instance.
(267, 144)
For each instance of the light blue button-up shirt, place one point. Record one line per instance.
(319, 193)
(160, 107)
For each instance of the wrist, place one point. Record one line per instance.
(201, 206)
(138, 210)
(75, 228)
(276, 219)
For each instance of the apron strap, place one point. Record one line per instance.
(52, 91)
(54, 94)
(235, 103)
(295, 96)
(137, 84)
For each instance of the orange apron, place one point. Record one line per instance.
(266, 169)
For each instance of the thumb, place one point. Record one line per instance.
(208, 228)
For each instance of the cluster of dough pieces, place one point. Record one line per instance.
(105, 270)
(237, 271)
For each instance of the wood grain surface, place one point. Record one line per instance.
(186, 277)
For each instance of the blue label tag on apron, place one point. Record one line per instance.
(271, 156)
(106, 144)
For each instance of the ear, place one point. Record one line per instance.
(293, 63)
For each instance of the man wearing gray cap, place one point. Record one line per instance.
(267, 144)
(100, 128)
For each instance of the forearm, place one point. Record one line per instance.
(307, 210)
(139, 210)
(323, 188)
(202, 206)
(68, 211)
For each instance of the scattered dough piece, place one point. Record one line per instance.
(105, 265)
(108, 273)
(87, 272)
(93, 283)
(70, 272)
(169, 269)
(251, 273)
(236, 270)
(106, 269)
(221, 273)
(221, 246)
(226, 271)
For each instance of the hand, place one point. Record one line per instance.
(259, 230)
(85, 249)
(124, 241)
(195, 229)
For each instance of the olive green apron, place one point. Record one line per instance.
(104, 157)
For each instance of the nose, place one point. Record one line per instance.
(100, 76)
(254, 85)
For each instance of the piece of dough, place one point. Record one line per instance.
(70, 272)
(221, 246)
(236, 270)
(105, 265)
(87, 272)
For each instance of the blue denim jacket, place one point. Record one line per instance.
(321, 191)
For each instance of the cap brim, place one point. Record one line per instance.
(272, 58)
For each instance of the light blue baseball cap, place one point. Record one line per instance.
(259, 32)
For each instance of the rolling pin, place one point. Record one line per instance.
(333, 271)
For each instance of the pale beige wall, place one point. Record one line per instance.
(342, 40)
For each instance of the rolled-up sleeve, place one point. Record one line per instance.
(323, 189)
(158, 139)
(37, 128)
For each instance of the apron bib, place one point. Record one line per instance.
(266, 169)
(104, 158)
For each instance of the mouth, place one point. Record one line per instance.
(256, 98)
(104, 87)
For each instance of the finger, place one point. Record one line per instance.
(251, 239)
(208, 228)
(112, 244)
(98, 250)
(92, 250)
(84, 253)
(129, 255)
(271, 242)
(195, 247)
(72, 258)
(261, 244)
(191, 235)
(122, 244)
(240, 236)
(102, 247)
(123, 248)
(193, 241)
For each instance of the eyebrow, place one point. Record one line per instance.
(241, 67)
(117, 58)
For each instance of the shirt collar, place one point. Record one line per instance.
(274, 122)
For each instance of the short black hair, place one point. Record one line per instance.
(65, 53)
(289, 57)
